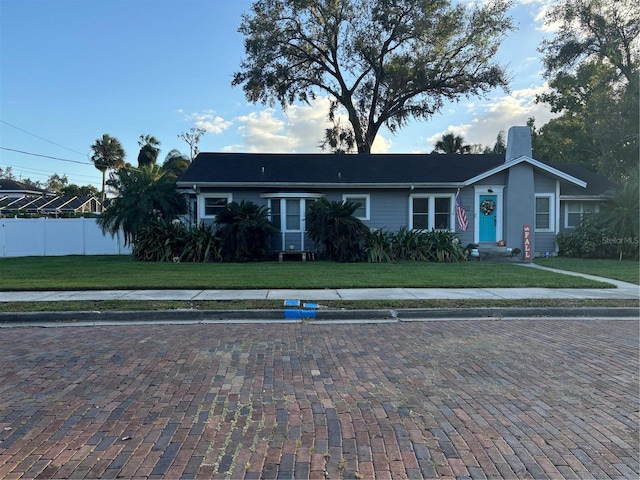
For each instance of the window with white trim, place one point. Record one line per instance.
(544, 213)
(212, 204)
(293, 220)
(442, 213)
(363, 211)
(431, 212)
(275, 214)
(576, 210)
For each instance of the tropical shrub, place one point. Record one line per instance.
(414, 245)
(444, 246)
(378, 246)
(161, 240)
(587, 240)
(333, 225)
(620, 215)
(411, 245)
(244, 230)
(613, 232)
(202, 245)
(143, 195)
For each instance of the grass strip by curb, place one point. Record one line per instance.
(146, 305)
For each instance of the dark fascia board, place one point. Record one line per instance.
(339, 186)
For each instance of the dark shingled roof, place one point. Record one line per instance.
(596, 184)
(319, 169)
(8, 185)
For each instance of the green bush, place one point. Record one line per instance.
(444, 246)
(414, 245)
(378, 246)
(333, 225)
(161, 240)
(587, 240)
(411, 245)
(244, 230)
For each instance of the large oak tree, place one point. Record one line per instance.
(383, 61)
(592, 67)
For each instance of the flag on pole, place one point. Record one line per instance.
(461, 214)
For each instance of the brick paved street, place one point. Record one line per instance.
(467, 399)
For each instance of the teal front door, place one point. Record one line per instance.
(488, 218)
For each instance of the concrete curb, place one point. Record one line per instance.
(319, 316)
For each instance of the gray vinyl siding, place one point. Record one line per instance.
(498, 179)
(543, 183)
(389, 210)
(545, 242)
(467, 195)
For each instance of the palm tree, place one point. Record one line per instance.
(144, 194)
(108, 154)
(149, 150)
(244, 230)
(332, 224)
(451, 143)
(176, 163)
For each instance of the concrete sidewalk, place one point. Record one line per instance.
(621, 290)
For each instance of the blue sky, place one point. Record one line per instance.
(73, 70)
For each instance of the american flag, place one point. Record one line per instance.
(461, 214)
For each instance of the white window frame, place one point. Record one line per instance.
(282, 197)
(431, 214)
(204, 196)
(355, 197)
(582, 204)
(552, 215)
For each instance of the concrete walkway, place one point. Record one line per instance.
(622, 290)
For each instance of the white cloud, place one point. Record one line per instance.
(498, 115)
(208, 120)
(263, 132)
(299, 129)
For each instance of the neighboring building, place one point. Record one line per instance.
(19, 199)
(499, 194)
(15, 189)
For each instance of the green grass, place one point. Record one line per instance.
(625, 270)
(121, 272)
(142, 305)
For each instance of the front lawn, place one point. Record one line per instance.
(625, 270)
(121, 272)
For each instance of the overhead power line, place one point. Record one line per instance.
(48, 173)
(42, 138)
(45, 156)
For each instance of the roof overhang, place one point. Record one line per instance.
(310, 185)
(537, 164)
(592, 198)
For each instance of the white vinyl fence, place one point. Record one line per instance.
(24, 237)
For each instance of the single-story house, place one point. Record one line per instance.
(490, 199)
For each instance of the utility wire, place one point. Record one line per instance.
(42, 138)
(47, 173)
(45, 156)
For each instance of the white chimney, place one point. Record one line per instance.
(518, 143)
